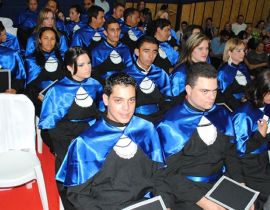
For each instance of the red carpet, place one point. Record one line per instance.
(21, 198)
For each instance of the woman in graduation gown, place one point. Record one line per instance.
(251, 122)
(233, 75)
(70, 106)
(196, 50)
(44, 66)
(27, 21)
(46, 18)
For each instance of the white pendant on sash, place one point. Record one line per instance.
(76, 27)
(125, 148)
(96, 37)
(240, 78)
(83, 99)
(147, 85)
(51, 64)
(115, 57)
(132, 36)
(161, 53)
(207, 131)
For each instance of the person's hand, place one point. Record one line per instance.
(206, 204)
(262, 127)
(11, 91)
(40, 97)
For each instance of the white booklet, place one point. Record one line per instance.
(43, 92)
(232, 195)
(155, 203)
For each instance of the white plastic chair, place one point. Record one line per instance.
(19, 163)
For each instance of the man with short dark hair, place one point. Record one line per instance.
(154, 89)
(91, 35)
(197, 136)
(110, 56)
(111, 165)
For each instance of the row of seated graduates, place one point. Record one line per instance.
(116, 57)
(90, 36)
(232, 75)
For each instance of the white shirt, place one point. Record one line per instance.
(236, 27)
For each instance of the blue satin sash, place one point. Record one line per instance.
(87, 153)
(180, 122)
(178, 79)
(227, 73)
(208, 179)
(60, 97)
(103, 50)
(125, 28)
(83, 36)
(11, 60)
(27, 19)
(11, 42)
(172, 54)
(261, 149)
(156, 74)
(245, 121)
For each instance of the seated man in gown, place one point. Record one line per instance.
(111, 165)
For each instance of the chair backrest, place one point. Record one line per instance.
(17, 123)
(8, 23)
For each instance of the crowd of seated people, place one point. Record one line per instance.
(131, 107)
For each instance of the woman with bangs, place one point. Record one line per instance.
(70, 107)
(46, 18)
(233, 75)
(196, 50)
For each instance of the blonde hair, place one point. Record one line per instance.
(160, 13)
(41, 17)
(193, 41)
(230, 45)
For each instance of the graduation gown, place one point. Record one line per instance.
(31, 45)
(40, 76)
(87, 37)
(100, 176)
(253, 147)
(11, 60)
(194, 163)
(167, 56)
(232, 80)
(129, 36)
(26, 23)
(72, 27)
(153, 92)
(107, 60)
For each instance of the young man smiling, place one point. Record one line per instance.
(111, 165)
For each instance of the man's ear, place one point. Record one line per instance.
(136, 51)
(105, 32)
(188, 89)
(105, 99)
